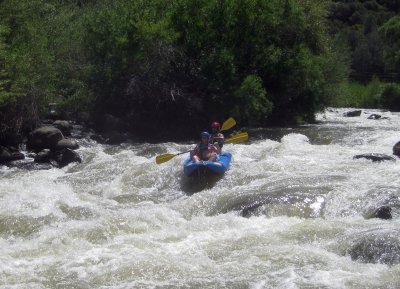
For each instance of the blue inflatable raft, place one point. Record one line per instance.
(219, 167)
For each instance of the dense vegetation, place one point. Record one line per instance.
(170, 67)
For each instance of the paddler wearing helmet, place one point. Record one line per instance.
(217, 138)
(204, 151)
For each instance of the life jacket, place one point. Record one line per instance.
(203, 147)
(218, 137)
(206, 147)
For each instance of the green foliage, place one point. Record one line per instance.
(26, 69)
(251, 102)
(41, 58)
(168, 62)
(283, 42)
(357, 24)
(5, 95)
(126, 41)
(391, 33)
(390, 98)
(360, 95)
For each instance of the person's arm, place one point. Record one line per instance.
(194, 151)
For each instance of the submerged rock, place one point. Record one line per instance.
(276, 203)
(352, 113)
(383, 212)
(375, 157)
(374, 116)
(377, 247)
(382, 204)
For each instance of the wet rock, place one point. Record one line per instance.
(66, 157)
(45, 137)
(56, 159)
(10, 154)
(22, 226)
(383, 212)
(375, 157)
(79, 132)
(43, 156)
(66, 144)
(30, 165)
(280, 202)
(377, 247)
(374, 116)
(382, 204)
(76, 213)
(64, 126)
(352, 113)
(396, 149)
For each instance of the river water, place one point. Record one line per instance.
(289, 213)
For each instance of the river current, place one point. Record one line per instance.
(289, 213)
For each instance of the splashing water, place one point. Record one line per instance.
(288, 214)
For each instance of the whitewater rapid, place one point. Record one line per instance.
(287, 214)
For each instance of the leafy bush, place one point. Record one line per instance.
(391, 33)
(251, 102)
(169, 62)
(390, 98)
(360, 95)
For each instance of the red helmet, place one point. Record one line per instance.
(215, 124)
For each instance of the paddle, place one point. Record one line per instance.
(240, 137)
(229, 123)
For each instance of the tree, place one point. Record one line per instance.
(391, 33)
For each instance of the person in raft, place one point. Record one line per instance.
(217, 138)
(204, 151)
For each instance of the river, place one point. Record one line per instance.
(289, 213)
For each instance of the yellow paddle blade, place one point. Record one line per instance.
(229, 123)
(164, 158)
(240, 137)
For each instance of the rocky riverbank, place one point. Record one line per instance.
(49, 145)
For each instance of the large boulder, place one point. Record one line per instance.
(66, 144)
(45, 137)
(396, 149)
